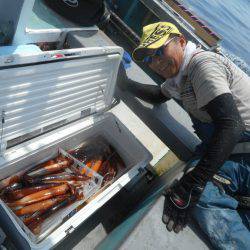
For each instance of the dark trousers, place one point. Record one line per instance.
(216, 212)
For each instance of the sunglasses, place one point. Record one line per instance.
(159, 52)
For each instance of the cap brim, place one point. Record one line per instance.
(140, 53)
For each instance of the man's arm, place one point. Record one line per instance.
(148, 93)
(210, 82)
(228, 131)
(186, 193)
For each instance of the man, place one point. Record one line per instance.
(216, 94)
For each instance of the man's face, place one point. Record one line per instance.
(168, 65)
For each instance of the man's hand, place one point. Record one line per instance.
(174, 217)
(179, 200)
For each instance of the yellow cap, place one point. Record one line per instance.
(153, 37)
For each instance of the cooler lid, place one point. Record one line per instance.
(47, 90)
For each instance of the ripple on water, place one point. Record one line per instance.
(231, 20)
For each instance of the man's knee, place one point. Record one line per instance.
(217, 215)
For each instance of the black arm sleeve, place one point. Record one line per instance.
(228, 131)
(148, 93)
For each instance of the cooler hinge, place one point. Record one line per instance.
(148, 172)
(86, 112)
(2, 142)
(114, 102)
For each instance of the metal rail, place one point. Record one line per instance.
(124, 29)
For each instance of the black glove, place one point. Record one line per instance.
(179, 200)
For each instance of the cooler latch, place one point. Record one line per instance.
(69, 230)
(148, 172)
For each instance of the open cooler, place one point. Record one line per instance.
(52, 103)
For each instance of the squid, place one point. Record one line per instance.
(117, 160)
(65, 176)
(95, 165)
(11, 180)
(35, 224)
(41, 195)
(30, 218)
(35, 216)
(40, 206)
(108, 172)
(10, 188)
(91, 150)
(57, 178)
(21, 192)
(72, 184)
(49, 168)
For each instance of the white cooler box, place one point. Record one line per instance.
(57, 100)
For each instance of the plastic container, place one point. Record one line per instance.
(93, 184)
(95, 181)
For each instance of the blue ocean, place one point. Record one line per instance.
(231, 20)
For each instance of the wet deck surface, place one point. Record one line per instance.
(151, 233)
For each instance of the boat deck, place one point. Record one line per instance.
(132, 219)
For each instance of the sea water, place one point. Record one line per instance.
(231, 20)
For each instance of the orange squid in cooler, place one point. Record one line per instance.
(40, 195)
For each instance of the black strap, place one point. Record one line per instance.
(221, 182)
(244, 201)
(242, 148)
